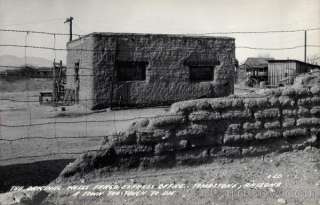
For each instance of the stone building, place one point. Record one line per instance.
(122, 69)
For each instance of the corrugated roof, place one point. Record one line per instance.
(257, 62)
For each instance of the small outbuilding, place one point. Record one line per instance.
(283, 72)
(256, 70)
(128, 69)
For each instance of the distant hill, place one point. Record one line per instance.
(22, 75)
(33, 84)
(12, 60)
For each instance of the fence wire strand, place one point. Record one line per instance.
(114, 119)
(200, 34)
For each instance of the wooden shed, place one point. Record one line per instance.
(283, 72)
(256, 70)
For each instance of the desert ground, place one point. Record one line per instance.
(277, 178)
(88, 127)
(35, 155)
(75, 130)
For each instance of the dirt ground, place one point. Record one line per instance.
(56, 124)
(286, 178)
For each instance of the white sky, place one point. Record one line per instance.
(164, 16)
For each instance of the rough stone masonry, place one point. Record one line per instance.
(199, 131)
(150, 69)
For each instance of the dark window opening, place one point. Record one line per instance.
(131, 70)
(201, 73)
(76, 71)
(77, 81)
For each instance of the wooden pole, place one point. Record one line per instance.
(69, 20)
(305, 46)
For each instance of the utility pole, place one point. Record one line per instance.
(305, 46)
(69, 20)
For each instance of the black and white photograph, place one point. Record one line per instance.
(142, 102)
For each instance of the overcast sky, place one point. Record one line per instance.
(164, 16)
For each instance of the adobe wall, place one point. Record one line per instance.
(199, 131)
(167, 75)
(81, 51)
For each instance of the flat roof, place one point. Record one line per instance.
(195, 36)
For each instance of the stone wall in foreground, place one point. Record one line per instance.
(200, 131)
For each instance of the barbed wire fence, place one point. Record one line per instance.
(56, 122)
